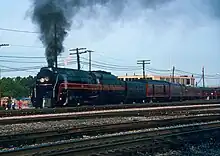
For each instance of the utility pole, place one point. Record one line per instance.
(173, 74)
(203, 76)
(90, 59)
(77, 54)
(55, 45)
(143, 62)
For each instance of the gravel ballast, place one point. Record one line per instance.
(11, 129)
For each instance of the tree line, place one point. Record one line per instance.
(17, 87)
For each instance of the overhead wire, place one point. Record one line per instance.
(12, 69)
(146, 67)
(14, 61)
(19, 31)
(98, 63)
(109, 57)
(24, 57)
(116, 66)
(26, 46)
(108, 66)
(199, 75)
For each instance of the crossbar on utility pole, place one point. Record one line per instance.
(77, 54)
(143, 62)
(4, 45)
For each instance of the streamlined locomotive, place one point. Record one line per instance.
(56, 87)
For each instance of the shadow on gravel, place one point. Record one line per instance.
(204, 144)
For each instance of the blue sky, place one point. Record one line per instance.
(182, 33)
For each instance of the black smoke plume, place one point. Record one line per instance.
(50, 13)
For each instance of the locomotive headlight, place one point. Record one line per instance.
(42, 80)
(46, 78)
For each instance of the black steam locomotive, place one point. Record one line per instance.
(63, 87)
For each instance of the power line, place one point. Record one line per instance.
(196, 73)
(111, 58)
(33, 32)
(34, 57)
(110, 68)
(11, 69)
(133, 67)
(31, 62)
(159, 70)
(109, 64)
(115, 68)
(12, 61)
(25, 46)
(154, 72)
(19, 31)
(105, 66)
(24, 57)
(199, 81)
(150, 69)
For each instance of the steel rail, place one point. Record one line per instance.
(156, 111)
(79, 132)
(116, 141)
(132, 141)
(4, 113)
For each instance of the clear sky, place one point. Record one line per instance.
(182, 33)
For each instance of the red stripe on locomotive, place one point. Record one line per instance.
(97, 87)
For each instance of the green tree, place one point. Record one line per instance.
(16, 87)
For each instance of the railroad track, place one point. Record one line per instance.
(4, 113)
(79, 132)
(118, 141)
(152, 111)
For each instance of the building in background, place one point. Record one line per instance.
(186, 80)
